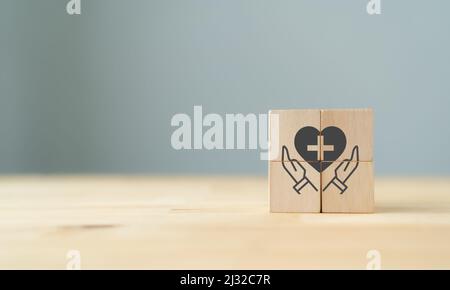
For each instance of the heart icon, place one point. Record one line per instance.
(315, 146)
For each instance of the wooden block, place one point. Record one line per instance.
(294, 187)
(285, 132)
(322, 161)
(348, 187)
(356, 125)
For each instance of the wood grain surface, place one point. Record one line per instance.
(213, 223)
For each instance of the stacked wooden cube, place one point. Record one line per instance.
(322, 161)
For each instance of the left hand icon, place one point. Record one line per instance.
(296, 171)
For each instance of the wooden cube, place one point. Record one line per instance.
(294, 187)
(357, 125)
(348, 187)
(322, 161)
(284, 126)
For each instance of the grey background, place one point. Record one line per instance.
(96, 92)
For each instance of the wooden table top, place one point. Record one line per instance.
(214, 223)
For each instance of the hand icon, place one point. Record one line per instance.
(344, 170)
(296, 171)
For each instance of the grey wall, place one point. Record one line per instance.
(96, 92)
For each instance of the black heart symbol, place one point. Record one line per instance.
(333, 144)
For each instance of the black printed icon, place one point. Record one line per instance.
(320, 150)
(296, 171)
(344, 170)
(315, 146)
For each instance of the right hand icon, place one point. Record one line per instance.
(344, 170)
(296, 171)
